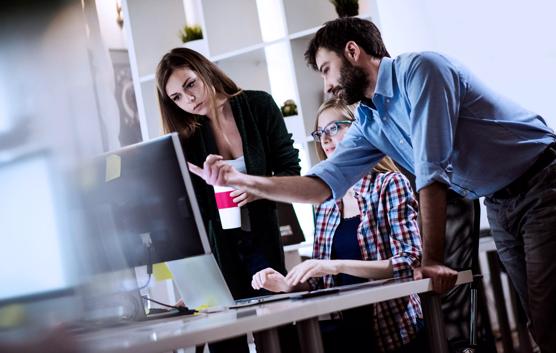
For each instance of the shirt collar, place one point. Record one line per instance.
(385, 81)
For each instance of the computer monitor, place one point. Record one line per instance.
(140, 202)
(35, 256)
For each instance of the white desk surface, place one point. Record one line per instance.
(168, 334)
(296, 247)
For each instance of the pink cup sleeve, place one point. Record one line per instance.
(224, 200)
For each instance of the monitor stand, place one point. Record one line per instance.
(111, 299)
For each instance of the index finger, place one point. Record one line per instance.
(291, 273)
(295, 275)
(297, 268)
(213, 158)
(195, 170)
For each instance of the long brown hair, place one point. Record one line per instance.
(216, 82)
(347, 111)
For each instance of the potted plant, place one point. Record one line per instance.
(289, 108)
(192, 38)
(346, 8)
(189, 33)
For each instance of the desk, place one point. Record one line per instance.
(170, 334)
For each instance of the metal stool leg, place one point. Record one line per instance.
(472, 321)
(267, 341)
(309, 336)
(500, 302)
(434, 321)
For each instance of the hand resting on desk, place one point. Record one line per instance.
(270, 280)
(296, 280)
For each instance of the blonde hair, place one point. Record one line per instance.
(347, 111)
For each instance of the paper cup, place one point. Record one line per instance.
(230, 213)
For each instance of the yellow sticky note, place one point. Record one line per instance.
(12, 316)
(161, 272)
(201, 307)
(113, 167)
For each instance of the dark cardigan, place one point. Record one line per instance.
(268, 150)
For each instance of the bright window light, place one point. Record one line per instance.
(280, 72)
(31, 251)
(271, 19)
(191, 13)
(304, 211)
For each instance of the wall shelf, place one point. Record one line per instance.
(244, 50)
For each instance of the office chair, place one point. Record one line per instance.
(465, 330)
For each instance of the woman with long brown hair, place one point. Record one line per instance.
(213, 116)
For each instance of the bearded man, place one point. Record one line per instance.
(438, 121)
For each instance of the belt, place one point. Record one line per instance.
(519, 185)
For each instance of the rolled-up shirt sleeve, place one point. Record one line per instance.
(354, 157)
(433, 89)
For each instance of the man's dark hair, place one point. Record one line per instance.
(335, 35)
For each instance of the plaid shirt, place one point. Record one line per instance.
(388, 230)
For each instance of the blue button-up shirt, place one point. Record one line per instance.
(437, 120)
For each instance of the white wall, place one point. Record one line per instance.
(112, 35)
(509, 44)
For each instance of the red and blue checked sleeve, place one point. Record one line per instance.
(405, 239)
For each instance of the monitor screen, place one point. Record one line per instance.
(140, 203)
(33, 251)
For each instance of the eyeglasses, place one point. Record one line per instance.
(330, 129)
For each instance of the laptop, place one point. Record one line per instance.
(202, 286)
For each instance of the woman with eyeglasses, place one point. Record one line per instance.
(371, 233)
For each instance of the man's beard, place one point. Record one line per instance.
(353, 83)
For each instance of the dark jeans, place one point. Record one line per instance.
(524, 229)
